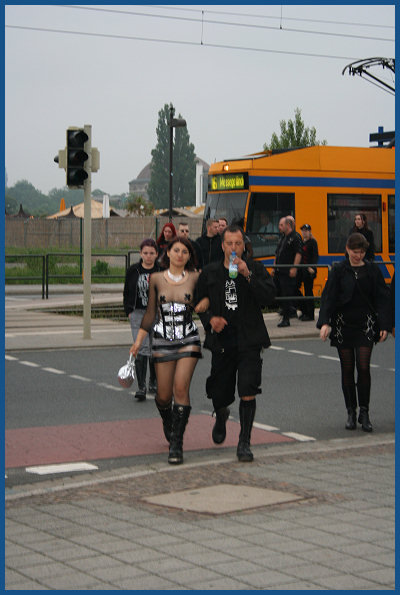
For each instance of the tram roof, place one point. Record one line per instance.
(319, 157)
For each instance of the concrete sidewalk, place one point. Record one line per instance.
(307, 516)
(302, 516)
(30, 324)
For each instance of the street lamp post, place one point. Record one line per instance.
(173, 123)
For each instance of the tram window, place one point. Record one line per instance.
(342, 208)
(230, 205)
(265, 210)
(391, 223)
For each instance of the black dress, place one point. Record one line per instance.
(354, 324)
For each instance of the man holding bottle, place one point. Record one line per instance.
(237, 288)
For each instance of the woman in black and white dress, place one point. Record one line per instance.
(355, 315)
(176, 344)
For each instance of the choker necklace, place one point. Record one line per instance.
(175, 278)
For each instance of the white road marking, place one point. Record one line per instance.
(110, 386)
(277, 348)
(264, 427)
(61, 468)
(331, 357)
(53, 370)
(67, 332)
(11, 358)
(31, 364)
(83, 378)
(299, 437)
(300, 352)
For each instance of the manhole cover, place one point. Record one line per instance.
(222, 498)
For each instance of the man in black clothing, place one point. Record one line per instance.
(288, 251)
(235, 334)
(183, 231)
(210, 243)
(310, 257)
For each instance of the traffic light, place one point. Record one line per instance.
(76, 157)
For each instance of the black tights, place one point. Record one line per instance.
(361, 357)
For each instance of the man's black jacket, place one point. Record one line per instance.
(252, 296)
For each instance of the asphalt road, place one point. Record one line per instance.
(52, 392)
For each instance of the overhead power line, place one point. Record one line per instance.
(263, 16)
(201, 20)
(179, 42)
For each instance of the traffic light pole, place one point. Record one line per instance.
(87, 237)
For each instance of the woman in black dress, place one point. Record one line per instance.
(355, 314)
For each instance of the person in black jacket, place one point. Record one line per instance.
(235, 334)
(355, 313)
(361, 226)
(210, 243)
(136, 291)
(307, 274)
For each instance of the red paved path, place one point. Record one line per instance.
(92, 441)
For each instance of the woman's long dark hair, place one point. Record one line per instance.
(364, 219)
(191, 263)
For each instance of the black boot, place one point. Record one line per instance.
(166, 416)
(180, 416)
(153, 377)
(219, 429)
(350, 399)
(351, 423)
(141, 367)
(247, 410)
(364, 420)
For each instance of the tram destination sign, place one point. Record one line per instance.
(232, 181)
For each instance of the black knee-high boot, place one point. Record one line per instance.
(350, 400)
(153, 377)
(141, 367)
(247, 411)
(166, 416)
(180, 416)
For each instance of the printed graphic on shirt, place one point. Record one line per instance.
(230, 295)
(143, 288)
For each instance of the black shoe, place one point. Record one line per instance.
(351, 420)
(306, 318)
(152, 389)
(247, 410)
(140, 395)
(283, 323)
(364, 420)
(180, 416)
(219, 429)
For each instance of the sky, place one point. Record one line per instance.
(232, 71)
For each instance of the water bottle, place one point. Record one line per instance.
(233, 268)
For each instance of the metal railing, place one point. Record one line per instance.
(27, 257)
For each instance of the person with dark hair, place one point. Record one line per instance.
(355, 314)
(361, 226)
(307, 274)
(222, 224)
(135, 298)
(210, 243)
(183, 232)
(168, 232)
(288, 252)
(176, 342)
(235, 334)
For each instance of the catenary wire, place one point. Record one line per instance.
(224, 23)
(179, 42)
(262, 16)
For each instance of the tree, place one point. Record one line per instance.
(183, 166)
(139, 206)
(294, 135)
